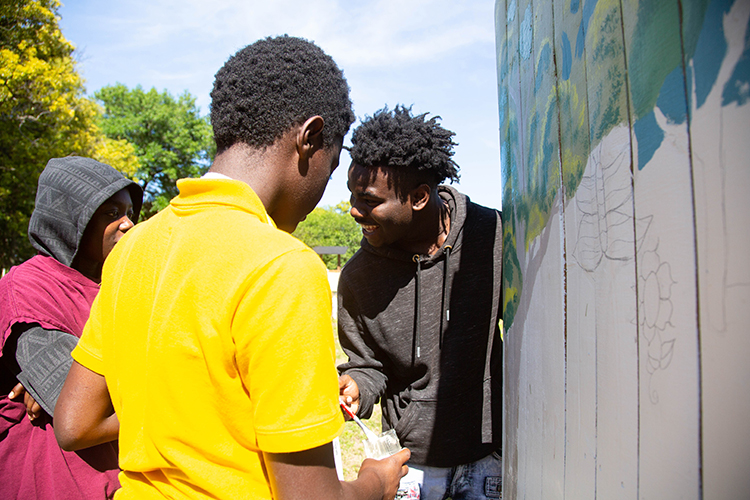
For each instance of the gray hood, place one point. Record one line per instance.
(69, 192)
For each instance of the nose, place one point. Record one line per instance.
(125, 224)
(355, 211)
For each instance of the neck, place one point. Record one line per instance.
(433, 228)
(92, 270)
(257, 168)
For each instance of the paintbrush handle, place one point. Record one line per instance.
(365, 429)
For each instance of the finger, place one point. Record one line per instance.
(17, 391)
(28, 400)
(404, 470)
(402, 456)
(36, 410)
(345, 384)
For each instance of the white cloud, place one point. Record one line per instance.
(366, 33)
(436, 54)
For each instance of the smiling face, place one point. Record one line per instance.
(108, 224)
(385, 217)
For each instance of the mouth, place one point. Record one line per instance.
(368, 228)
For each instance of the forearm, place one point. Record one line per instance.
(104, 431)
(311, 474)
(367, 486)
(84, 415)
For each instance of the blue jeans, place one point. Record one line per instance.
(478, 480)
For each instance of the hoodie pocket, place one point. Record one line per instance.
(415, 426)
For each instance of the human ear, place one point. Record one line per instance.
(310, 136)
(419, 196)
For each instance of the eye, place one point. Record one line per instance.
(113, 213)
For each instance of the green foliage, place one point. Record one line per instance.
(331, 226)
(171, 139)
(43, 114)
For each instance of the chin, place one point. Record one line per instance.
(374, 242)
(289, 228)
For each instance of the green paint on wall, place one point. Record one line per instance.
(656, 46)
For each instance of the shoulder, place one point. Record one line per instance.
(282, 257)
(479, 217)
(363, 265)
(480, 212)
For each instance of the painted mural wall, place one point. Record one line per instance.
(625, 149)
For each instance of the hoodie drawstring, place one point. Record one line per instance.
(417, 315)
(446, 293)
(445, 315)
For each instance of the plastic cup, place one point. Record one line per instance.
(384, 446)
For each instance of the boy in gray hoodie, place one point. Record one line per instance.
(419, 306)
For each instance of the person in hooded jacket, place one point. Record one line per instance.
(419, 307)
(82, 209)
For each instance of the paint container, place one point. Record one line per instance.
(382, 446)
(386, 445)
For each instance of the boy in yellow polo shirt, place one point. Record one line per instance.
(209, 347)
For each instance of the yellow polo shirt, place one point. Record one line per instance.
(213, 331)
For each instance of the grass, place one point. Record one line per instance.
(350, 440)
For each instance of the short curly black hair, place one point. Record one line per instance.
(273, 84)
(413, 145)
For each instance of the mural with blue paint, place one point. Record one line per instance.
(624, 151)
(655, 82)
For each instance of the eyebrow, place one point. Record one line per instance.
(366, 193)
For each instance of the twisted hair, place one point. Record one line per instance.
(415, 146)
(273, 84)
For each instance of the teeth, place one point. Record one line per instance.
(368, 227)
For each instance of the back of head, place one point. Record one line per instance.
(70, 190)
(274, 84)
(415, 148)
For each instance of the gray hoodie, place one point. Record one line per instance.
(70, 190)
(422, 335)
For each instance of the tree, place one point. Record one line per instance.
(43, 114)
(331, 226)
(171, 139)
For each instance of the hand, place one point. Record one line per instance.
(33, 410)
(389, 471)
(349, 393)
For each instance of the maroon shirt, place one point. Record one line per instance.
(32, 465)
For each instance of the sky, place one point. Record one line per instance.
(437, 56)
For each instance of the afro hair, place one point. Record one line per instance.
(414, 146)
(273, 84)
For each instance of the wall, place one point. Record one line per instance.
(625, 152)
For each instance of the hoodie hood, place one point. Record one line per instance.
(70, 190)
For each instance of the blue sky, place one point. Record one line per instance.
(436, 55)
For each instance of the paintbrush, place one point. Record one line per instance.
(370, 435)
